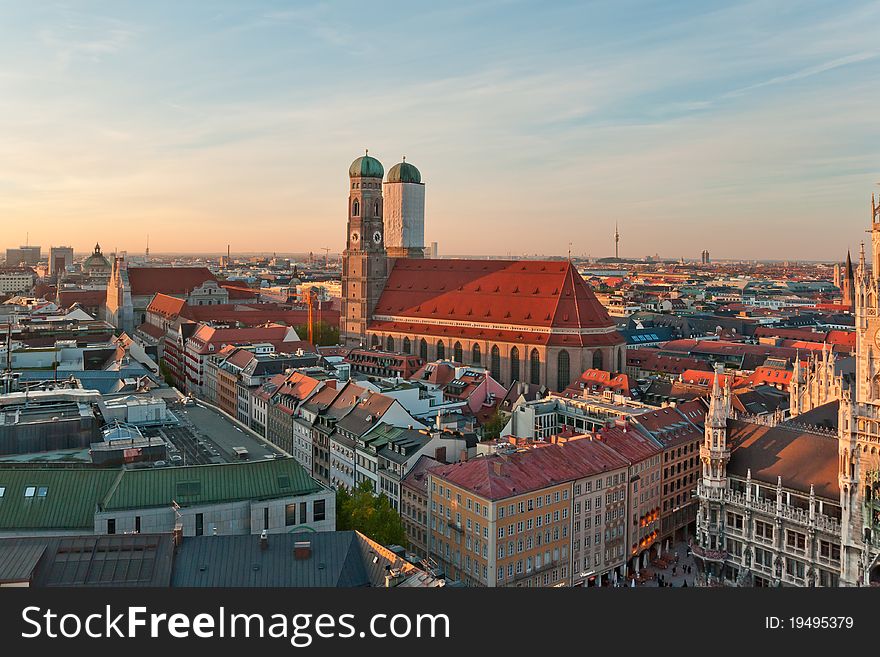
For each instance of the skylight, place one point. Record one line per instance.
(29, 491)
(2, 491)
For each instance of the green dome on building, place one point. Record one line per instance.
(366, 167)
(404, 173)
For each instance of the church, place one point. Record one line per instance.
(525, 320)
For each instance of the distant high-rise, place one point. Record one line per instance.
(60, 257)
(23, 255)
(837, 275)
(704, 257)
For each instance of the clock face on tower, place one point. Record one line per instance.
(355, 237)
(877, 338)
(377, 237)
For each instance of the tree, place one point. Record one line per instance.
(371, 515)
(166, 373)
(494, 425)
(325, 334)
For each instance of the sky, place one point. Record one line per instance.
(748, 129)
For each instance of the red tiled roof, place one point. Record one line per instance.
(152, 330)
(298, 385)
(526, 294)
(532, 469)
(88, 298)
(273, 334)
(240, 292)
(838, 337)
(707, 379)
(771, 376)
(653, 361)
(593, 379)
(169, 280)
(799, 457)
(631, 444)
(166, 305)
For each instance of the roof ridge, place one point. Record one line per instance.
(110, 491)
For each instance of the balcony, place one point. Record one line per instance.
(799, 516)
(707, 554)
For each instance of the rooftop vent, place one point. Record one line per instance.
(302, 550)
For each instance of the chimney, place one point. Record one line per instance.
(497, 467)
(264, 540)
(302, 550)
(177, 535)
(440, 454)
(463, 456)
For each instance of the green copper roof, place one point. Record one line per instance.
(366, 167)
(67, 498)
(404, 172)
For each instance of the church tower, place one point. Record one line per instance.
(714, 455)
(847, 285)
(859, 435)
(404, 212)
(364, 261)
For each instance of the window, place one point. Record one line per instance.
(356, 208)
(266, 518)
(2, 491)
(423, 349)
(763, 530)
(495, 363)
(795, 540)
(111, 525)
(597, 360)
(42, 491)
(200, 524)
(734, 520)
(302, 512)
(535, 367)
(476, 355)
(441, 350)
(457, 352)
(514, 364)
(137, 524)
(389, 343)
(407, 345)
(290, 515)
(29, 491)
(563, 371)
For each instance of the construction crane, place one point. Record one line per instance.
(309, 297)
(326, 251)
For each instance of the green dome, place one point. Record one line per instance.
(405, 173)
(366, 167)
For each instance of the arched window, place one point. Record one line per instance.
(374, 341)
(476, 355)
(563, 370)
(535, 367)
(597, 360)
(495, 363)
(423, 349)
(376, 209)
(356, 208)
(389, 343)
(441, 350)
(514, 365)
(407, 345)
(456, 352)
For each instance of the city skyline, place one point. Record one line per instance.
(693, 127)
